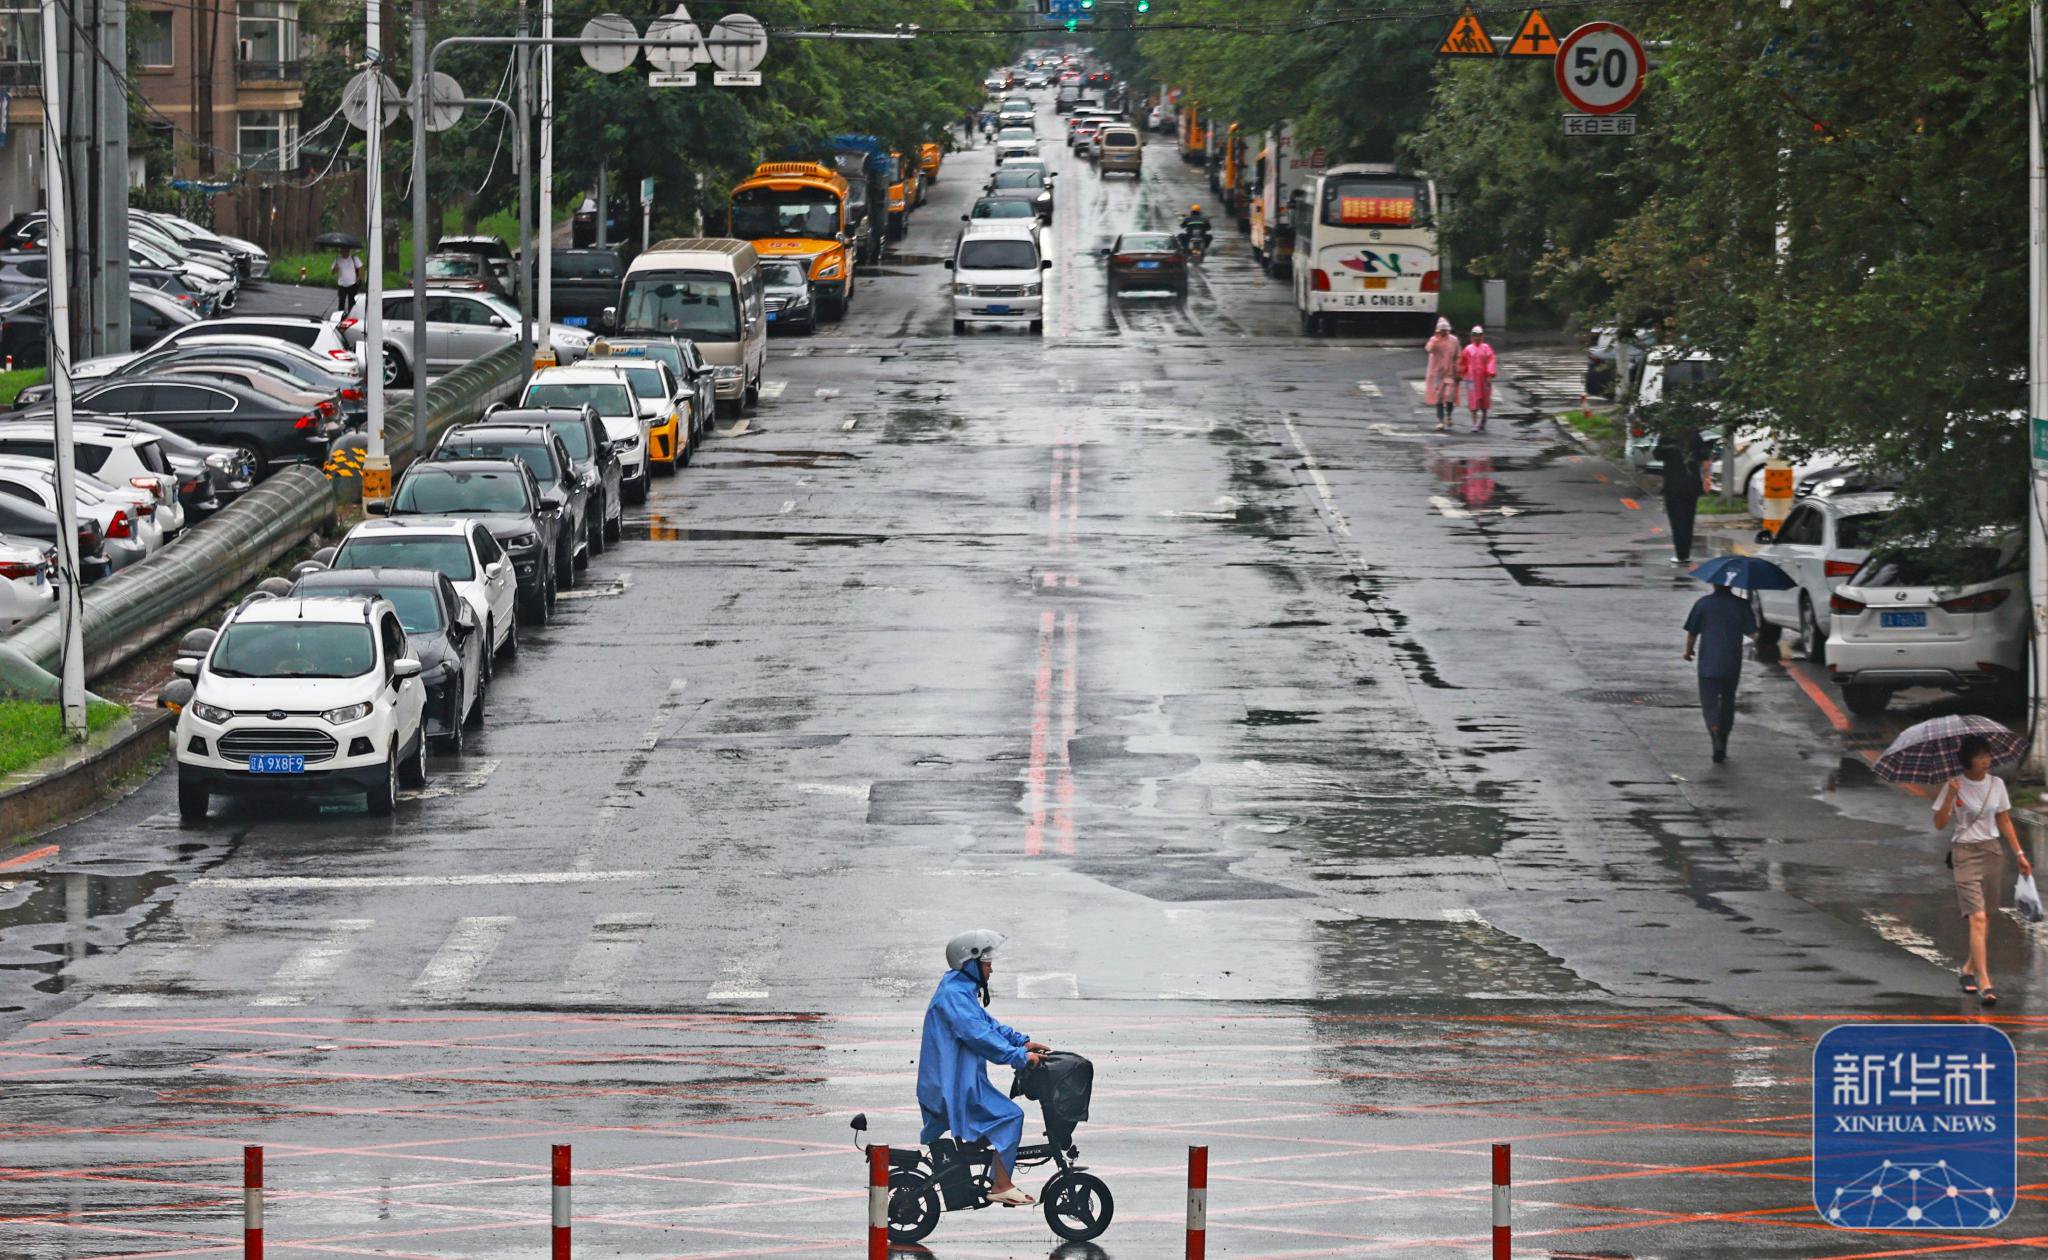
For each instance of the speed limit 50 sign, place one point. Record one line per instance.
(1600, 68)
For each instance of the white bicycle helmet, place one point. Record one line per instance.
(980, 943)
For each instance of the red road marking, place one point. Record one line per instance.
(23, 859)
(1631, 505)
(1063, 811)
(1824, 702)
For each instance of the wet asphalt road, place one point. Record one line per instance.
(1336, 782)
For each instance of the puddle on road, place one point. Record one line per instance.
(60, 917)
(921, 424)
(658, 528)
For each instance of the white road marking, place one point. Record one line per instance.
(1369, 389)
(800, 352)
(825, 391)
(788, 506)
(472, 776)
(850, 422)
(622, 792)
(1421, 388)
(1908, 938)
(1051, 984)
(256, 883)
(305, 970)
(607, 589)
(461, 958)
(773, 389)
(600, 964)
(1461, 914)
(859, 791)
(1130, 387)
(736, 430)
(1458, 512)
(1063, 385)
(742, 979)
(1315, 473)
(1206, 426)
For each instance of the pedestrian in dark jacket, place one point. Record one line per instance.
(1684, 454)
(1716, 626)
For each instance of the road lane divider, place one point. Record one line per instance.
(252, 1203)
(559, 1204)
(878, 1203)
(1503, 1204)
(1198, 1202)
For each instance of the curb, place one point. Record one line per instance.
(33, 800)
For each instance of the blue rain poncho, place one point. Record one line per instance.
(953, 1088)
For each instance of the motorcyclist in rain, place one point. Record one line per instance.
(1195, 221)
(953, 1089)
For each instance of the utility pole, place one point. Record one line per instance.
(544, 309)
(71, 684)
(110, 145)
(2037, 391)
(422, 104)
(522, 164)
(376, 460)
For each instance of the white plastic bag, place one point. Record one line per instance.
(2027, 899)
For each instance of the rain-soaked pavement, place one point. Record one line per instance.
(1337, 782)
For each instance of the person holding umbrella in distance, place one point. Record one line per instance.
(1717, 625)
(347, 267)
(1958, 752)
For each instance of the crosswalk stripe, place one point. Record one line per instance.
(600, 964)
(313, 964)
(462, 957)
(469, 778)
(1052, 984)
(742, 978)
(773, 389)
(170, 962)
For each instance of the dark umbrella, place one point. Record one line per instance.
(1747, 572)
(336, 240)
(1926, 753)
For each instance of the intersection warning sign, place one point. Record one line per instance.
(1466, 38)
(1534, 39)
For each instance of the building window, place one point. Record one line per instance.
(152, 37)
(21, 43)
(269, 32)
(269, 139)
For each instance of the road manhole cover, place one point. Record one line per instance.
(151, 1058)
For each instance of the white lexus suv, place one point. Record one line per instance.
(303, 698)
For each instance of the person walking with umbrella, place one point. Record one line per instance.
(1714, 632)
(1974, 807)
(348, 277)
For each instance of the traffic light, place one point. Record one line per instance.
(1073, 24)
(1144, 6)
(1087, 4)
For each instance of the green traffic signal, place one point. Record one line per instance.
(1144, 6)
(1073, 24)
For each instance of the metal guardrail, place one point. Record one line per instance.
(457, 397)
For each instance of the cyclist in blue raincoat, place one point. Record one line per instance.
(953, 1088)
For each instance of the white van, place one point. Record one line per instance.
(998, 275)
(709, 289)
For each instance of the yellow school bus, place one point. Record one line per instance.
(797, 210)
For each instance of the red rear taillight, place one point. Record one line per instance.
(1123, 260)
(118, 527)
(1982, 601)
(12, 569)
(328, 407)
(1637, 430)
(341, 354)
(304, 422)
(1319, 280)
(352, 394)
(350, 322)
(189, 487)
(1840, 568)
(1842, 604)
(1430, 282)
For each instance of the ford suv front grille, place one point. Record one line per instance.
(313, 745)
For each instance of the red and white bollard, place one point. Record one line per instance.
(1503, 1204)
(878, 1203)
(252, 1203)
(1198, 1202)
(560, 1204)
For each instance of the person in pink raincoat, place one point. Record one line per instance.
(1477, 367)
(1440, 387)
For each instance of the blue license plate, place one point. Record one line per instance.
(1148, 266)
(576, 321)
(998, 310)
(277, 763)
(1902, 620)
(771, 317)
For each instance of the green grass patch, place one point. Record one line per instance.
(12, 383)
(1714, 505)
(30, 732)
(1594, 424)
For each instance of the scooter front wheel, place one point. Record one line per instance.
(913, 1207)
(1078, 1205)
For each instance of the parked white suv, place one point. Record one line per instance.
(460, 549)
(303, 698)
(1894, 627)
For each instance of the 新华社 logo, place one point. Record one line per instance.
(1914, 1126)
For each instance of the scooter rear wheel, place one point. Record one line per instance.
(913, 1207)
(1078, 1205)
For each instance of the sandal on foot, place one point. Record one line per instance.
(1988, 997)
(1969, 982)
(1013, 1197)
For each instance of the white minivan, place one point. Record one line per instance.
(998, 275)
(711, 290)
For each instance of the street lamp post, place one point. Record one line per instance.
(71, 678)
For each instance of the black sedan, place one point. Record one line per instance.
(440, 629)
(1024, 182)
(591, 454)
(563, 490)
(219, 413)
(502, 496)
(1147, 260)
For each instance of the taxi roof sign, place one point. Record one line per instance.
(1466, 38)
(1534, 39)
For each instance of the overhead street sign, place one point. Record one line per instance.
(1467, 38)
(736, 78)
(739, 43)
(1600, 68)
(687, 78)
(609, 58)
(1534, 39)
(686, 50)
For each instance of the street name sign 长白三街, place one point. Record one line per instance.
(1599, 124)
(1913, 1126)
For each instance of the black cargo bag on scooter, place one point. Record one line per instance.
(1061, 1085)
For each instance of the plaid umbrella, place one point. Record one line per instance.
(1926, 753)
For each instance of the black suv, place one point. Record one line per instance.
(563, 490)
(590, 453)
(502, 496)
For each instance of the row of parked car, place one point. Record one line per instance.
(336, 683)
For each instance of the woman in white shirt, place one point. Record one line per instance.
(1982, 812)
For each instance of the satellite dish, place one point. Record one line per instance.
(444, 102)
(355, 98)
(609, 58)
(678, 59)
(735, 57)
